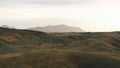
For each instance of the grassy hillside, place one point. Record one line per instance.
(21, 40)
(60, 59)
(32, 49)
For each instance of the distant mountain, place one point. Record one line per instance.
(57, 28)
(6, 26)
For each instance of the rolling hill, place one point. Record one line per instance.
(35, 49)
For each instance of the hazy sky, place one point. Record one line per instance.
(90, 15)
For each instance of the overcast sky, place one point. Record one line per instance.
(90, 15)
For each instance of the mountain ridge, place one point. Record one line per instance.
(57, 29)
